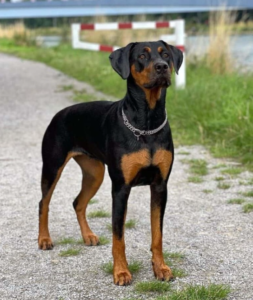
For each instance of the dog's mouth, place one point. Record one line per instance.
(162, 81)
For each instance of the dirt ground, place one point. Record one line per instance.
(215, 237)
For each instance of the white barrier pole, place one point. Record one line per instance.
(75, 31)
(180, 41)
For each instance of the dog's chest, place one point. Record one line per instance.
(135, 163)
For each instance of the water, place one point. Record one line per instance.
(241, 49)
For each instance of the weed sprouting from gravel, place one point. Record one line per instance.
(248, 194)
(98, 214)
(195, 179)
(248, 207)
(206, 191)
(223, 186)
(103, 240)
(191, 292)
(130, 224)
(69, 252)
(236, 201)
(232, 171)
(152, 286)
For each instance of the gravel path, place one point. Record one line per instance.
(215, 237)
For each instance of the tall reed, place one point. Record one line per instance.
(219, 58)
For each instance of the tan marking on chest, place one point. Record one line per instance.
(162, 159)
(132, 163)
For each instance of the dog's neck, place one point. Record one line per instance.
(145, 109)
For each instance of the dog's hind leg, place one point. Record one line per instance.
(51, 172)
(93, 175)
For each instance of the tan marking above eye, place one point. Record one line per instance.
(147, 49)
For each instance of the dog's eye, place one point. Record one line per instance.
(165, 55)
(142, 56)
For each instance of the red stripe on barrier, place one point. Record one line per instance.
(87, 26)
(125, 25)
(162, 24)
(182, 48)
(105, 48)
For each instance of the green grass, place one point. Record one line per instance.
(134, 267)
(248, 194)
(211, 292)
(219, 178)
(152, 286)
(103, 240)
(206, 191)
(198, 167)
(93, 201)
(236, 201)
(98, 214)
(232, 171)
(223, 186)
(69, 252)
(131, 223)
(214, 110)
(195, 179)
(248, 207)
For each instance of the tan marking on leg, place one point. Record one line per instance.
(132, 163)
(162, 159)
(161, 270)
(93, 175)
(44, 240)
(121, 274)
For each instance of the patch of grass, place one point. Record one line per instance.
(174, 256)
(99, 214)
(184, 153)
(248, 194)
(219, 166)
(206, 191)
(66, 241)
(198, 167)
(195, 179)
(219, 178)
(211, 292)
(236, 201)
(103, 240)
(83, 96)
(223, 186)
(232, 171)
(109, 227)
(66, 88)
(131, 223)
(69, 252)
(93, 201)
(178, 273)
(152, 286)
(134, 267)
(248, 207)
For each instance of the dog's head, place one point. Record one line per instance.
(149, 63)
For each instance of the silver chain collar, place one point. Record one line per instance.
(138, 132)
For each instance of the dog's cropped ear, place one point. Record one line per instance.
(120, 60)
(177, 56)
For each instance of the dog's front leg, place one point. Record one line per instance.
(121, 274)
(158, 204)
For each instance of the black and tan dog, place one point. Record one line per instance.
(132, 136)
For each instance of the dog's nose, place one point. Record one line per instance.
(161, 67)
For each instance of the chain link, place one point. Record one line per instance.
(137, 132)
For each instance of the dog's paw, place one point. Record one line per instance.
(162, 272)
(91, 240)
(45, 243)
(122, 277)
